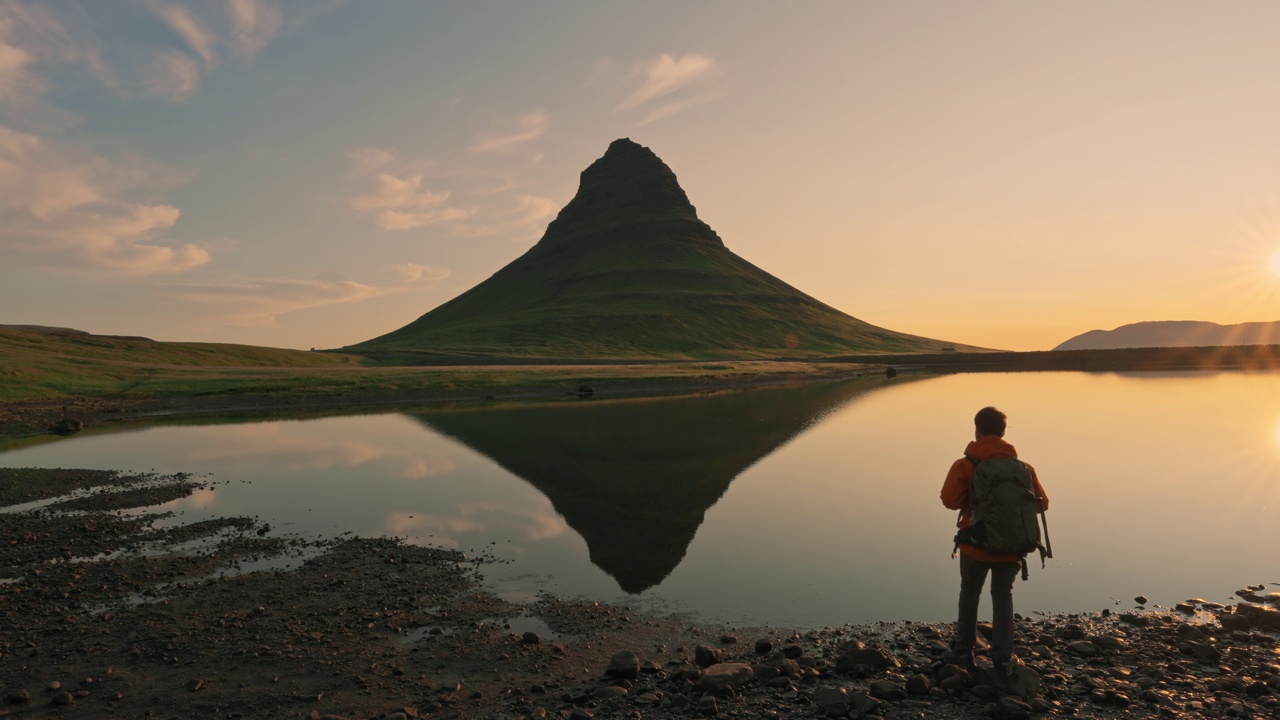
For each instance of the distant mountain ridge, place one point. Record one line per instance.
(1176, 333)
(628, 270)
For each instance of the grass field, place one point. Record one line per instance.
(38, 365)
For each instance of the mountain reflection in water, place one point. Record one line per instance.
(635, 477)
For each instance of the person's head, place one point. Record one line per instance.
(989, 421)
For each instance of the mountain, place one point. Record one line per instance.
(627, 270)
(635, 478)
(1176, 333)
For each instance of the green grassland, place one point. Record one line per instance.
(41, 365)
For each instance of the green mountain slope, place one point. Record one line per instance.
(627, 270)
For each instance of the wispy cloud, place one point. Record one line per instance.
(673, 84)
(402, 203)
(368, 159)
(14, 74)
(71, 209)
(253, 25)
(258, 302)
(183, 22)
(512, 134)
(173, 76)
(532, 209)
(413, 272)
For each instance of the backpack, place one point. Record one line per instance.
(1003, 505)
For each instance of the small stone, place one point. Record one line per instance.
(887, 690)
(707, 706)
(832, 701)
(54, 686)
(195, 685)
(1141, 600)
(793, 651)
(530, 638)
(763, 646)
(728, 639)
(705, 656)
(918, 685)
(63, 698)
(1111, 644)
(18, 697)
(608, 692)
(580, 714)
(1083, 648)
(863, 703)
(1010, 708)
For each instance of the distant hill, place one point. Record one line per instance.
(1176, 333)
(627, 270)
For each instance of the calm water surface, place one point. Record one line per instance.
(815, 505)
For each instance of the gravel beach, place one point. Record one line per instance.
(108, 610)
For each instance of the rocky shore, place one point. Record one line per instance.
(110, 609)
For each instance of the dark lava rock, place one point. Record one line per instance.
(624, 665)
(530, 638)
(855, 656)
(888, 690)
(919, 685)
(706, 656)
(763, 647)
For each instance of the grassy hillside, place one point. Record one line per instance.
(47, 363)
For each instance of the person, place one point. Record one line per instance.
(975, 562)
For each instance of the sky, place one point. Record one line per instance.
(317, 173)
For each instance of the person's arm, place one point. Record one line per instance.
(955, 489)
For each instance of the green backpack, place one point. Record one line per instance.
(1004, 503)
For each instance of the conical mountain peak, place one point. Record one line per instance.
(627, 270)
(629, 182)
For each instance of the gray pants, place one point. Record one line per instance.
(973, 573)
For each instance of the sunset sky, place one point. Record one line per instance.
(316, 173)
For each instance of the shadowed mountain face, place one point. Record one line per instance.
(627, 270)
(635, 478)
(1176, 333)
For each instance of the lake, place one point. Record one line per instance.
(812, 505)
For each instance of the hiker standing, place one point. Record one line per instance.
(1002, 478)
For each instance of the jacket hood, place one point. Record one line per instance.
(990, 446)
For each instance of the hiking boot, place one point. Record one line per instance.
(1004, 668)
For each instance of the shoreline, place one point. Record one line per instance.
(166, 623)
(21, 419)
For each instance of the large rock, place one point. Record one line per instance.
(624, 665)
(887, 690)
(856, 656)
(832, 701)
(706, 656)
(1258, 616)
(724, 677)
(1021, 681)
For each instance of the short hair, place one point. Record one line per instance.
(989, 421)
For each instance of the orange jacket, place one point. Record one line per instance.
(959, 483)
